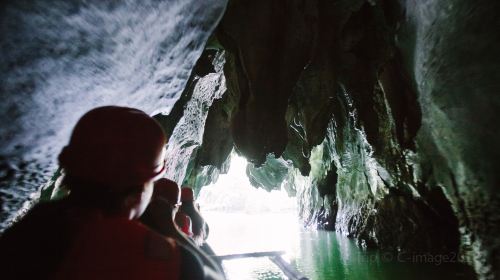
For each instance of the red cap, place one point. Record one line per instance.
(187, 194)
(168, 190)
(116, 147)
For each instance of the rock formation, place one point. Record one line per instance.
(378, 115)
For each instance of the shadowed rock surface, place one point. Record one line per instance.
(58, 59)
(379, 116)
(386, 117)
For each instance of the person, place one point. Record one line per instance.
(184, 223)
(160, 214)
(112, 159)
(200, 227)
(191, 209)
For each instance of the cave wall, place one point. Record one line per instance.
(378, 115)
(455, 64)
(59, 59)
(187, 134)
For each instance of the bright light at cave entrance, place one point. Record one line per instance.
(244, 219)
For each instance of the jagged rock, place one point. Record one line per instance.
(378, 115)
(200, 176)
(213, 156)
(365, 117)
(202, 68)
(187, 135)
(263, 35)
(60, 59)
(455, 66)
(356, 131)
(217, 140)
(270, 175)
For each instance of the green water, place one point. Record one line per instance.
(316, 254)
(327, 255)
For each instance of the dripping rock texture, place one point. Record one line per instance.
(59, 59)
(380, 116)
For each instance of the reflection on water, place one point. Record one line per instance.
(243, 219)
(316, 254)
(251, 269)
(233, 233)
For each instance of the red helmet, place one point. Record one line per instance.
(115, 146)
(187, 194)
(167, 189)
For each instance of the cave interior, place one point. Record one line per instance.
(378, 116)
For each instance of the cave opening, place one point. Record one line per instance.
(374, 118)
(245, 218)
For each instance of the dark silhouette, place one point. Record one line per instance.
(160, 214)
(190, 208)
(113, 157)
(200, 227)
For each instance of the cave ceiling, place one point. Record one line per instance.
(379, 116)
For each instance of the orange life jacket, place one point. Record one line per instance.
(184, 223)
(117, 248)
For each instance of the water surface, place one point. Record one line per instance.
(316, 254)
(244, 219)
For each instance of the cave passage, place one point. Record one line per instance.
(244, 219)
(374, 120)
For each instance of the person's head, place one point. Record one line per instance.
(188, 203)
(168, 192)
(190, 208)
(187, 195)
(112, 159)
